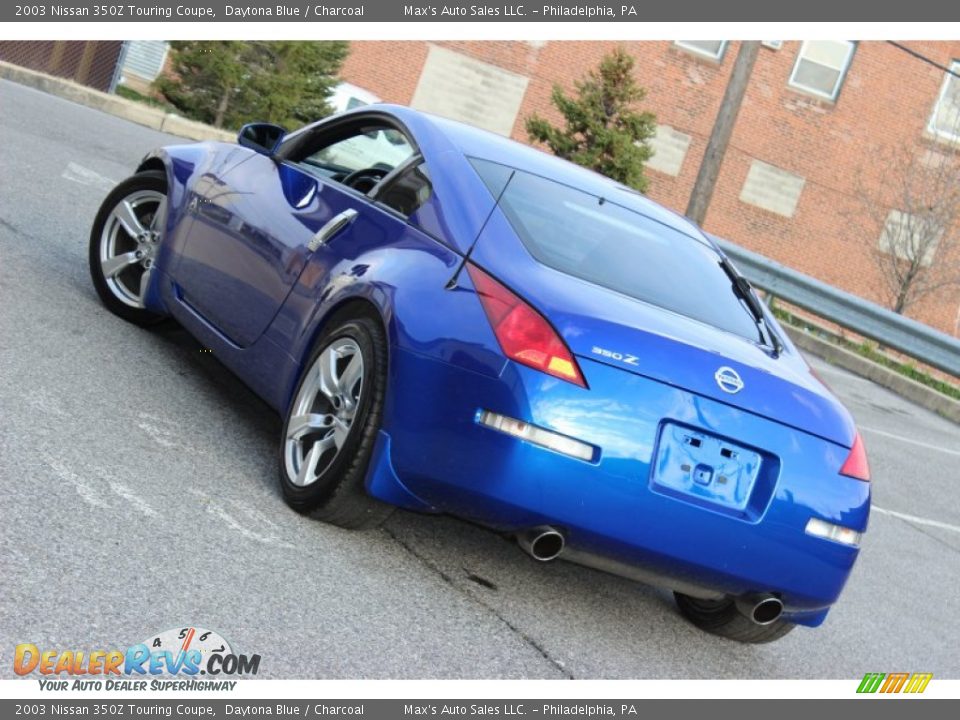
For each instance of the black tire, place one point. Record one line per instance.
(338, 495)
(721, 618)
(117, 295)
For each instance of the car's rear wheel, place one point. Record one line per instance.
(331, 426)
(124, 241)
(722, 618)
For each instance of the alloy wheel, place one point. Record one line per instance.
(129, 242)
(323, 412)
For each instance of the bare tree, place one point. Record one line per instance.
(916, 202)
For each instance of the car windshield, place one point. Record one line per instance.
(606, 244)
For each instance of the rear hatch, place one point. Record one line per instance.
(602, 300)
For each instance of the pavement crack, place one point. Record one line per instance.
(449, 580)
(481, 581)
(12, 228)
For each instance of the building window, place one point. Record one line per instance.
(821, 66)
(945, 120)
(712, 49)
(772, 44)
(910, 237)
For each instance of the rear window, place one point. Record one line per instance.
(606, 244)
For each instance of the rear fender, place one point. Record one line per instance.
(407, 284)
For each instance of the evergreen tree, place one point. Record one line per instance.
(602, 129)
(229, 83)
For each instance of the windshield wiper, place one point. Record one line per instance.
(744, 291)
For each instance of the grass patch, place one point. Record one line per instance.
(130, 94)
(871, 351)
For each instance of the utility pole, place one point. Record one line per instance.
(722, 130)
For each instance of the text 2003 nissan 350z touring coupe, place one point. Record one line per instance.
(449, 321)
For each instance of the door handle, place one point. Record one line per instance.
(334, 225)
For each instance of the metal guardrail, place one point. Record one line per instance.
(910, 337)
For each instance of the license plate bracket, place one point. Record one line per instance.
(712, 471)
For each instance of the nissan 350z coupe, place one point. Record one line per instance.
(452, 322)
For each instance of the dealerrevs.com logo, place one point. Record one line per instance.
(189, 658)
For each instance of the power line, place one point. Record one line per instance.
(924, 58)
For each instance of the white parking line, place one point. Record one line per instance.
(84, 489)
(131, 497)
(917, 520)
(86, 176)
(237, 526)
(901, 438)
(231, 522)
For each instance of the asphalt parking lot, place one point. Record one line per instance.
(138, 493)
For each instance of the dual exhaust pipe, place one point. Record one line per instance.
(760, 608)
(545, 543)
(542, 543)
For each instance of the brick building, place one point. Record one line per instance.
(816, 115)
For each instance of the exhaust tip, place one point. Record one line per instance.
(761, 609)
(543, 543)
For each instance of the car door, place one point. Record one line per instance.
(255, 229)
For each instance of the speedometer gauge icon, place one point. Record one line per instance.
(185, 639)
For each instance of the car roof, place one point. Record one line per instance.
(474, 142)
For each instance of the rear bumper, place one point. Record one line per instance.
(609, 508)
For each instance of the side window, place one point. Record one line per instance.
(358, 156)
(408, 191)
(380, 147)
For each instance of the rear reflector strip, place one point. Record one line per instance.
(538, 436)
(828, 531)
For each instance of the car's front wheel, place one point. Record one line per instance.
(331, 426)
(722, 618)
(124, 241)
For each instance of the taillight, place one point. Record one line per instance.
(524, 334)
(856, 462)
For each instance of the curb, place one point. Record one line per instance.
(135, 112)
(922, 395)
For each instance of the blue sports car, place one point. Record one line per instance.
(449, 321)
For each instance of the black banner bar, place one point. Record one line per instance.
(399, 11)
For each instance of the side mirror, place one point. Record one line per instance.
(261, 137)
